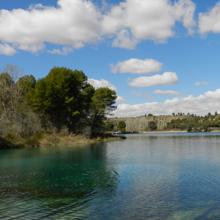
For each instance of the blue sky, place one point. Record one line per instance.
(184, 38)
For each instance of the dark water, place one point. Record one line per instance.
(151, 176)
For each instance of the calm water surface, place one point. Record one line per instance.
(151, 176)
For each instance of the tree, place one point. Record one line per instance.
(14, 71)
(63, 96)
(109, 126)
(6, 94)
(26, 85)
(16, 117)
(122, 126)
(62, 99)
(66, 99)
(152, 125)
(102, 104)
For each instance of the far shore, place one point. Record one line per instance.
(170, 131)
(183, 131)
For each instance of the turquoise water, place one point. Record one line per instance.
(151, 176)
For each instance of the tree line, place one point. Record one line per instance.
(180, 121)
(195, 123)
(62, 100)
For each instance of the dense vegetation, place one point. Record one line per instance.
(194, 123)
(61, 101)
(122, 126)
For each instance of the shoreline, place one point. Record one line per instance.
(74, 140)
(170, 131)
(54, 140)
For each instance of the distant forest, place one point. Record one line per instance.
(175, 122)
(62, 101)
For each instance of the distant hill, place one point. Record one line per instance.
(183, 122)
(145, 123)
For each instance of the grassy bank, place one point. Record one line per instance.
(53, 140)
(73, 140)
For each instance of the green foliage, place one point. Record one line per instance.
(16, 117)
(63, 100)
(102, 104)
(63, 96)
(26, 85)
(6, 80)
(109, 126)
(193, 123)
(152, 125)
(122, 126)
(103, 100)
(6, 93)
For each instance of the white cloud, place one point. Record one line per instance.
(61, 51)
(71, 22)
(210, 21)
(185, 12)
(202, 104)
(120, 100)
(167, 78)
(7, 50)
(76, 23)
(166, 92)
(137, 66)
(125, 39)
(101, 83)
(132, 21)
(200, 83)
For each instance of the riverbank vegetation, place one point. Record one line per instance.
(63, 102)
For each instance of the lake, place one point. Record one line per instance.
(156, 176)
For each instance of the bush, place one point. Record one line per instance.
(152, 125)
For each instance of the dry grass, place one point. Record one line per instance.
(53, 140)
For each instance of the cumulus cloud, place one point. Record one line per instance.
(200, 83)
(7, 50)
(166, 92)
(202, 104)
(210, 21)
(167, 78)
(61, 51)
(132, 21)
(185, 13)
(71, 22)
(101, 83)
(137, 66)
(120, 100)
(76, 23)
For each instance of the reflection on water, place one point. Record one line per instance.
(152, 176)
(55, 183)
